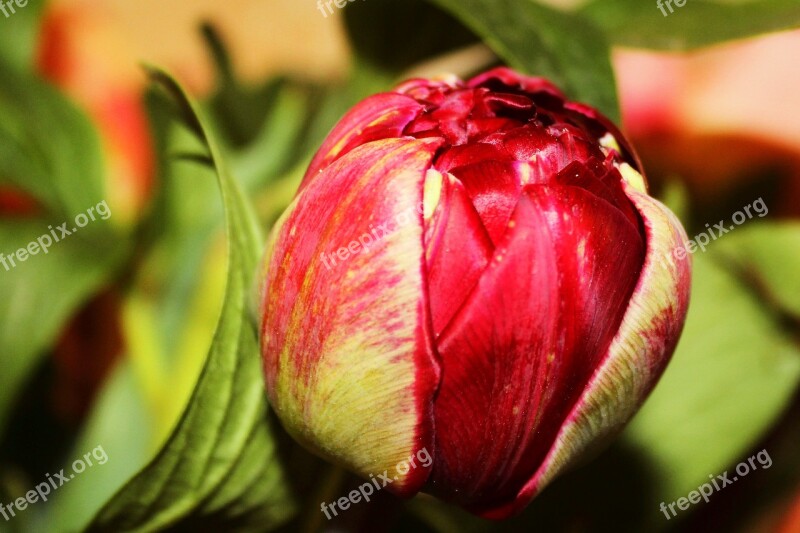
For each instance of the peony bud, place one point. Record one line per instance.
(476, 270)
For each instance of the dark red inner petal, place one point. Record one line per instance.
(468, 154)
(493, 187)
(458, 250)
(502, 132)
(602, 180)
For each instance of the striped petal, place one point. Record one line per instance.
(381, 116)
(346, 338)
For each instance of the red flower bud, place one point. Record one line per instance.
(474, 269)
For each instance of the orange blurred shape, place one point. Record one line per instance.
(80, 52)
(717, 117)
(15, 203)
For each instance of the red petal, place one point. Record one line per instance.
(635, 359)
(381, 116)
(595, 121)
(505, 104)
(493, 187)
(517, 356)
(459, 156)
(511, 78)
(552, 148)
(602, 181)
(458, 250)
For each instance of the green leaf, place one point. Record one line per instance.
(563, 47)
(51, 150)
(219, 468)
(731, 377)
(698, 23)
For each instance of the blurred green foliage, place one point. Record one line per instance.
(50, 150)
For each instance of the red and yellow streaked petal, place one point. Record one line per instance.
(347, 343)
(381, 116)
(638, 355)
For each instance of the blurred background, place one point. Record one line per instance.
(103, 338)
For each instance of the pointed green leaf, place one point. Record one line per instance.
(219, 468)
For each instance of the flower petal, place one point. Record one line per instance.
(517, 355)
(637, 357)
(605, 181)
(457, 249)
(381, 116)
(504, 77)
(493, 187)
(346, 337)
